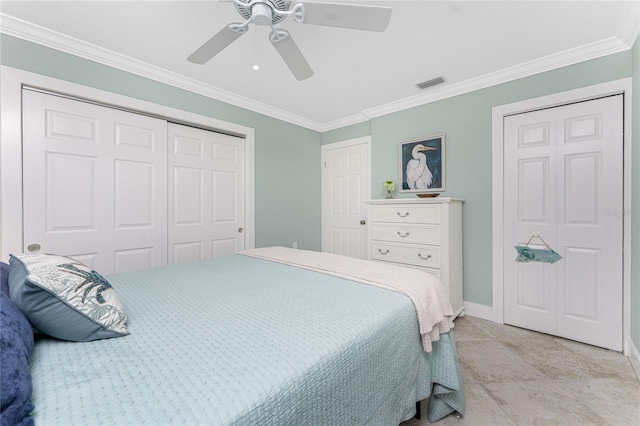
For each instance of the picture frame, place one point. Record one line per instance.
(422, 164)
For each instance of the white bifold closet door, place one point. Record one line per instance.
(121, 191)
(564, 181)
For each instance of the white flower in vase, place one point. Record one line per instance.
(389, 186)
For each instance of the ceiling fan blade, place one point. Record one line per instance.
(292, 56)
(359, 17)
(214, 45)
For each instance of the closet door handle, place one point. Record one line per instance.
(424, 258)
(33, 248)
(383, 252)
(402, 215)
(406, 234)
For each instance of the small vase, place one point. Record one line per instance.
(388, 195)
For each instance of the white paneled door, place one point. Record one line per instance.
(564, 182)
(94, 183)
(122, 191)
(345, 187)
(206, 194)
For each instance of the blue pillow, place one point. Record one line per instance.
(4, 278)
(16, 344)
(65, 299)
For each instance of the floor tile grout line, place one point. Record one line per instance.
(486, 391)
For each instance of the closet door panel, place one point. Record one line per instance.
(564, 183)
(590, 218)
(94, 183)
(530, 203)
(70, 192)
(133, 194)
(206, 187)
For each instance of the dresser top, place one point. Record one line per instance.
(436, 200)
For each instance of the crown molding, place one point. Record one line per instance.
(548, 63)
(628, 33)
(36, 34)
(344, 122)
(630, 26)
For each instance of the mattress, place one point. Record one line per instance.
(244, 341)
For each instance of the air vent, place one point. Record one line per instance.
(430, 83)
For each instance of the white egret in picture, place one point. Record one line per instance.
(422, 164)
(418, 174)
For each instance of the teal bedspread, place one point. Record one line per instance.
(244, 341)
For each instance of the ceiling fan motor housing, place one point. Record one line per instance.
(261, 12)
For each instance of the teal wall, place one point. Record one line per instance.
(635, 205)
(466, 122)
(287, 157)
(345, 133)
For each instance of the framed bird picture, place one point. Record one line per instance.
(422, 164)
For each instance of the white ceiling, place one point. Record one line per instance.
(358, 74)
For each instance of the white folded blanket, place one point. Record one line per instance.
(430, 298)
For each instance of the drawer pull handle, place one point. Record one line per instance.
(383, 252)
(406, 234)
(424, 258)
(402, 215)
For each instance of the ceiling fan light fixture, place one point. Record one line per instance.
(246, 9)
(262, 14)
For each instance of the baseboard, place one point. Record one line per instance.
(479, 311)
(634, 357)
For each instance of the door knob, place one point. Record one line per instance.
(240, 230)
(33, 248)
(363, 222)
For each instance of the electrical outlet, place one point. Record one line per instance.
(295, 244)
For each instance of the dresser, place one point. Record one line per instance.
(424, 234)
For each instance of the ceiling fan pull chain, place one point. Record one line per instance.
(256, 67)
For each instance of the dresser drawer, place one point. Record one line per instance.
(407, 214)
(417, 234)
(424, 234)
(425, 256)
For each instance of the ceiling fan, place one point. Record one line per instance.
(271, 12)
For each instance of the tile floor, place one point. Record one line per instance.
(514, 376)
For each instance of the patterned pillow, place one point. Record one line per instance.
(63, 298)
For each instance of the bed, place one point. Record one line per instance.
(257, 338)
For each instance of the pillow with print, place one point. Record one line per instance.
(65, 299)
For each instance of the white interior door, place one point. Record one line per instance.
(345, 187)
(564, 181)
(206, 194)
(94, 183)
